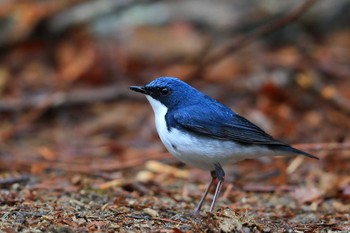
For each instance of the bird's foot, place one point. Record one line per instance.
(195, 213)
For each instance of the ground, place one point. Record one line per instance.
(79, 151)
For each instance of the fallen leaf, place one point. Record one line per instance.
(151, 212)
(307, 194)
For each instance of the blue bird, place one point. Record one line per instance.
(204, 133)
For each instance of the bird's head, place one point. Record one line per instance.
(169, 91)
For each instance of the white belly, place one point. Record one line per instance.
(203, 153)
(199, 151)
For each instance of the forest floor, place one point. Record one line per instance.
(79, 151)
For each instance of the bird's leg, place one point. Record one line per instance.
(199, 206)
(220, 174)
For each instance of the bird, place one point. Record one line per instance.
(204, 133)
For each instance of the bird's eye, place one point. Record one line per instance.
(164, 91)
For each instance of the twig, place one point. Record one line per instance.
(154, 218)
(39, 105)
(296, 162)
(60, 99)
(6, 182)
(166, 220)
(88, 168)
(266, 188)
(323, 146)
(249, 38)
(227, 191)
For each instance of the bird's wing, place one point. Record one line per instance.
(218, 121)
(224, 125)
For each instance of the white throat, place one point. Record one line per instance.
(160, 111)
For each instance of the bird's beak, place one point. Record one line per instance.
(140, 89)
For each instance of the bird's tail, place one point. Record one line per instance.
(293, 150)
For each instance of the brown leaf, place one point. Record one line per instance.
(307, 194)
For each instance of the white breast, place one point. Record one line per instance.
(198, 151)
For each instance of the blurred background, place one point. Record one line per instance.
(66, 112)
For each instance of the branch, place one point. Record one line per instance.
(60, 99)
(323, 146)
(249, 38)
(83, 168)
